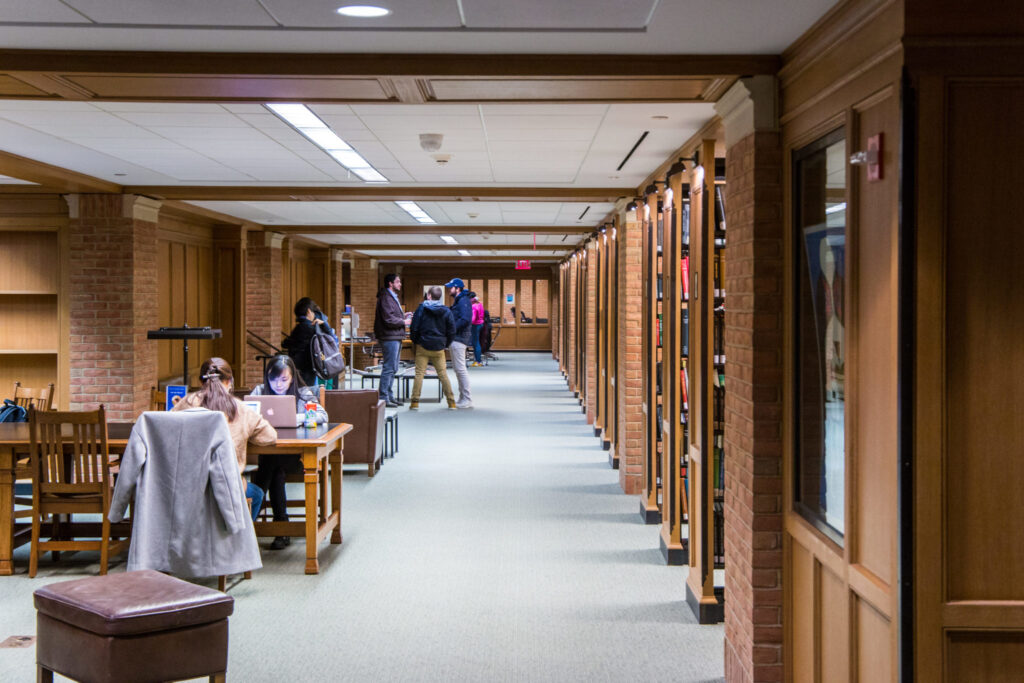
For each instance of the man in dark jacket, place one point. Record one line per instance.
(462, 313)
(432, 330)
(308, 317)
(389, 328)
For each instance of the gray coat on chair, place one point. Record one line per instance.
(190, 517)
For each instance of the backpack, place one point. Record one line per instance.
(12, 412)
(324, 355)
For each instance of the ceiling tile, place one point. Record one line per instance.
(189, 119)
(179, 12)
(39, 11)
(545, 14)
(404, 14)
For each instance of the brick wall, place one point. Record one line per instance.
(753, 438)
(555, 312)
(591, 334)
(263, 291)
(570, 351)
(364, 288)
(628, 378)
(112, 266)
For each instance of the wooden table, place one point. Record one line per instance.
(319, 448)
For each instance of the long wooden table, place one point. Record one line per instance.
(320, 450)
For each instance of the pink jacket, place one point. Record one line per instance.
(478, 313)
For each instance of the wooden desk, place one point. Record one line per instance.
(319, 448)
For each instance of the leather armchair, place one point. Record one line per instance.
(364, 410)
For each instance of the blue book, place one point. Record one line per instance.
(175, 392)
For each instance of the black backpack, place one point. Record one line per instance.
(12, 412)
(326, 359)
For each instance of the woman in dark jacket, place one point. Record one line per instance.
(308, 317)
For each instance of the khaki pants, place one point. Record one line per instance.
(437, 359)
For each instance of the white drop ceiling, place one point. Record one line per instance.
(422, 26)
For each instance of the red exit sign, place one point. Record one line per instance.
(522, 265)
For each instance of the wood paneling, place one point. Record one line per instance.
(801, 586)
(32, 370)
(31, 266)
(873, 642)
(988, 657)
(30, 322)
(984, 401)
(834, 627)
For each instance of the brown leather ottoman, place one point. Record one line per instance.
(137, 626)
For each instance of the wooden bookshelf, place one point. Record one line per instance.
(704, 583)
(33, 331)
(651, 496)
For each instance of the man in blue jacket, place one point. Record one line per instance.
(462, 313)
(432, 329)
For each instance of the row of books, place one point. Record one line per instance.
(718, 346)
(719, 274)
(719, 216)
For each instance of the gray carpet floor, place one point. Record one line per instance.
(496, 546)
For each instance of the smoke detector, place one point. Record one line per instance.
(431, 142)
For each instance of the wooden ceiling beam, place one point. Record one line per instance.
(371, 192)
(431, 229)
(381, 65)
(49, 177)
(464, 260)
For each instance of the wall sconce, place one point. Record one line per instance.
(680, 167)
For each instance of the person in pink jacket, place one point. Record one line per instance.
(478, 326)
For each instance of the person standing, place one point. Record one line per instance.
(462, 313)
(389, 328)
(432, 330)
(308, 317)
(478, 326)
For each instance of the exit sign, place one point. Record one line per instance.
(522, 265)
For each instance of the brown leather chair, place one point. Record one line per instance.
(364, 410)
(131, 626)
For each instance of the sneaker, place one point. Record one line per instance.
(451, 405)
(414, 405)
(280, 542)
(465, 405)
(392, 404)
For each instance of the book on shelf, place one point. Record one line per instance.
(684, 267)
(685, 221)
(684, 381)
(719, 216)
(659, 329)
(659, 285)
(685, 331)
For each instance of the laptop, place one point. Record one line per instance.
(279, 411)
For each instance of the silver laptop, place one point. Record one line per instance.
(279, 411)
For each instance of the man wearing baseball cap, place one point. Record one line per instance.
(462, 312)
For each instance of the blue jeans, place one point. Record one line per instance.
(476, 341)
(256, 493)
(389, 366)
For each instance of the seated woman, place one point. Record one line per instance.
(245, 425)
(283, 379)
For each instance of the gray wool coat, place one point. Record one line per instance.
(190, 517)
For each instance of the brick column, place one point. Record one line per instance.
(364, 288)
(591, 334)
(570, 352)
(753, 407)
(263, 291)
(335, 288)
(554, 313)
(113, 302)
(628, 378)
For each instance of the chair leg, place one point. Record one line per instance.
(247, 575)
(33, 557)
(222, 586)
(104, 545)
(44, 675)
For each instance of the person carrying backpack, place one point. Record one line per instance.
(308, 317)
(432, 330)
(462, 313)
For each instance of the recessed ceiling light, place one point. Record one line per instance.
(659, 117)
(363, 11)
(120, 175)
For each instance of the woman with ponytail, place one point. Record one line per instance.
(245, 425)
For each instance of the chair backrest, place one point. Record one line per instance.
(40, 399)
(157, 399)
(69, 452)
(363, 409)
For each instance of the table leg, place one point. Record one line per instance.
(309, 478)
(7, 463)
(335, 459)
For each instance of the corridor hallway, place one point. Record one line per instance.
(496, 546)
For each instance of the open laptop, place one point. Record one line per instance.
(279, 411)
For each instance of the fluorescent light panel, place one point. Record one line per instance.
(463, 252)
(448, 239)
(414, 210)
(299, 117)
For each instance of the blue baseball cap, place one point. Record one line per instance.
(455, 282)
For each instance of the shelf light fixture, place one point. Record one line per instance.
(302, 119)
(448, 239)
(463, 252)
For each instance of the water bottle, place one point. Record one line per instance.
(310, 415)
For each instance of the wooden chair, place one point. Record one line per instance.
(222, 580)
(40, 399)
(70, 466)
